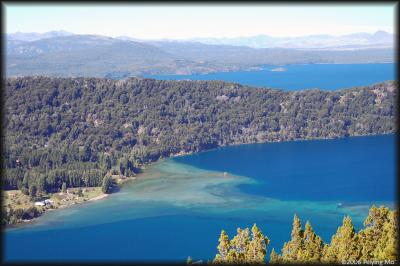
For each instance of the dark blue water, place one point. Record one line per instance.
(179, 210)
(156, 239)
(350, 169)
(297, 77)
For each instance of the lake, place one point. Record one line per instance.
(178, 207)
(298, 77)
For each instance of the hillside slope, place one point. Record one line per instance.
(53, 123)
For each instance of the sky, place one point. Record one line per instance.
(179, 21)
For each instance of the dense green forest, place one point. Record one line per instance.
(376, 242)
(78, 130)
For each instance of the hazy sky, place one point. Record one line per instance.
(180, 21)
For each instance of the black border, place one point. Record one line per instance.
(167, 2)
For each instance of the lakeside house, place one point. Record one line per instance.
(44, 202)
(48, 202)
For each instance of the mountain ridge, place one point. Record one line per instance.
(380, 39)
(104, 56)
(360, 40)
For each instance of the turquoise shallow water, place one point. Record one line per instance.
(297, 77)
(179, 206)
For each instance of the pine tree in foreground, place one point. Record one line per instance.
(242, 249)
(387, 246)
(379, 238)
(291, 251)
(275, 258)
(312, 246)
(223, 248)
(344, 245)
(377, 241)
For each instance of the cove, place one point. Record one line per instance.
(178, 207)
(298, 77)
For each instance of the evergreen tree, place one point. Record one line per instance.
(344, 245)
(379, 236)
(85, 153)
(64, 187)
(41, 184)
(32, 191)
(291, 251)
(26, 180)
(386, 248)
(223, 248)
(107, 184)
(313, 245)
(257, 247)
(122, 166)
(239, 245)
(374, 228)
(275, 258)
(106, 162)
(242, 249)
(77, 144)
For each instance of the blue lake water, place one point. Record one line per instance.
(178, 207)
(297, 77)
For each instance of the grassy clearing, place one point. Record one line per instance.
(15, 199)
(72, 196)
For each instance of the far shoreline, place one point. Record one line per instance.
(254, 68)
(284, 141)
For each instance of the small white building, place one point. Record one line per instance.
(39, 203)
(48, 202)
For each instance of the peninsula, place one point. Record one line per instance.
(71, 133)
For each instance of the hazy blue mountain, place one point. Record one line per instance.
(94, 55)
(127, 38)
(34, 36)
(78, 43)
(379, 39)
(81, 55)
(102, 56)
(250, 57)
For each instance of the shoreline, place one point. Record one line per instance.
(281, 141)
(179, 154)
(256, 68)
(98, 197)
(28, 222)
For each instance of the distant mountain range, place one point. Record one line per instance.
(60, 53)
(34, 36)
(379, 39)
(360, 40)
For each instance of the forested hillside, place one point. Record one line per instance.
(75, 130)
